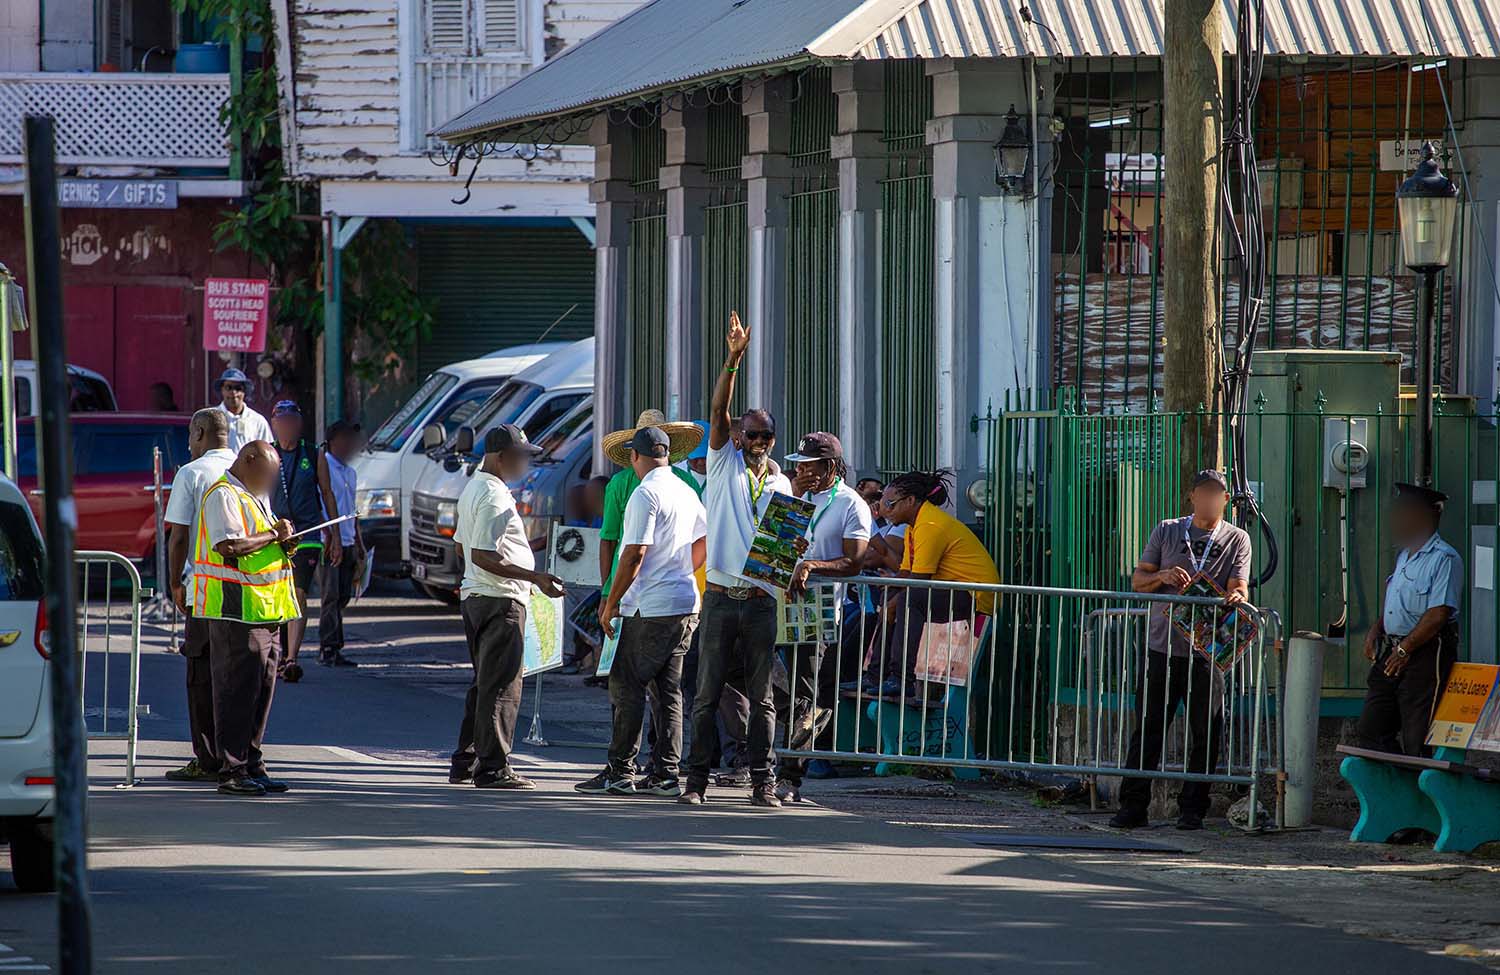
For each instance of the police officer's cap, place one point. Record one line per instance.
(1417, 495)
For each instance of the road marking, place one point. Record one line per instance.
(355, 756)
(12, 962)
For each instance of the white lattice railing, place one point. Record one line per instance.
(107, 119)
(448, 86)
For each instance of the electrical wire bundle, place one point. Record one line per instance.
(1248, 235)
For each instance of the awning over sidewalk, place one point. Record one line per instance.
(671, 43)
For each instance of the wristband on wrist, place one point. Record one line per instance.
(731, 369)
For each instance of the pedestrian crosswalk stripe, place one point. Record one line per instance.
(12, 962)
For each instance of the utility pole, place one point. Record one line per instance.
(1192, 68)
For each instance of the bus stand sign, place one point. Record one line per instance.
(235, 311)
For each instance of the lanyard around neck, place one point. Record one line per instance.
(756, 489)
(812, 526)
(1198, 561)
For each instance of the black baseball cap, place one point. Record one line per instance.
(1210, 476)
(651, 442)
(508, 436)
(817, 446)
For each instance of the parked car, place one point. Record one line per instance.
(393, 456)
(567, 459)
(536, 399)
(112, 475)
(26, 776)
(91, 391)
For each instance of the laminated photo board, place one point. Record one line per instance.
(813, 618)
(780, 539)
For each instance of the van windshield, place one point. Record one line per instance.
(398, 428)
(507, 404)
(558, 443)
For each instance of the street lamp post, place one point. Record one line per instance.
(1428, 206)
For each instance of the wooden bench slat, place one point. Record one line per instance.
(1406, 761)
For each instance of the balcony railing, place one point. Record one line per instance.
(108, 119)
(448, 86)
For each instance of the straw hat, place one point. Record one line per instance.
(684, 435)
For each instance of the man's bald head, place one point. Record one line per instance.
(257, 467)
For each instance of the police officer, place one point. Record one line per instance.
(242, 584)
(296, 499)
(1415, 641)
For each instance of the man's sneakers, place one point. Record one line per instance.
(1129, 817)
(788, 791)
(606, 783)
(269, 784)
(659, 785)
(764, 794)
(242, 787)
(737, 777)
(335, 658)
(192, 772)
(505, 778)
(808, 724)
(691, 798)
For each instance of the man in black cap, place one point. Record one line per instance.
(496, 589)
(836, 541)
(1414, 643)
(653, 600)
(1179, 552)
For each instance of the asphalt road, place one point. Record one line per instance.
(374, 864)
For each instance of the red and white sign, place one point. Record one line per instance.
(235, 311)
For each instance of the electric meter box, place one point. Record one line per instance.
(1324, 436)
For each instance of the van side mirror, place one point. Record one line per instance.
(433, 436)
(463, 443)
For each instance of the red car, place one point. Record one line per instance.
(111, 475)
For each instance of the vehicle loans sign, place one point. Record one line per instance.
(234, 314)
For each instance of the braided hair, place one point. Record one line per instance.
(923, 485)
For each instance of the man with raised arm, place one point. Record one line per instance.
(738, 621)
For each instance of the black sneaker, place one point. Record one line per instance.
(788, 791)
(242, 786)
(1190, 821)
(809, 723)
(269, 784)
(660, 785)
(1129, 818)
(192, 772)
(459, 773)
(606, 783)
(764, 794)
(506, 778)
(292, 674)
(735, 778)
(335, 659)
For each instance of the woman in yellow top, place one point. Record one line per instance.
(938, 546)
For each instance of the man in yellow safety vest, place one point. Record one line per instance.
(242, 584)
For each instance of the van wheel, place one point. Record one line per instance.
(31, 858)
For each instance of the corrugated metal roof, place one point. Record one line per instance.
(669, 42)
(1087, 28)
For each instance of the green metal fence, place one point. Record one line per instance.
(725, 239)
(908, 437)
(647, 269)
(1073, 496)
(812, 372)
(1325, 136)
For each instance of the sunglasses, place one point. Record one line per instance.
(758, 435)
(232, 388)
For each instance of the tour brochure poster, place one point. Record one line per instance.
(780, 539)
(1221, 635)
(542, 647)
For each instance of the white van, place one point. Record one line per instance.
(90, 390)
(26, 775)
(393, 457)
(536, 400)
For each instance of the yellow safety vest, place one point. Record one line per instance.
(255, 588)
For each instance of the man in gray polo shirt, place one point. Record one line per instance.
(1173, 675)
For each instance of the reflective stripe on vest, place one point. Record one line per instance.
(254, 588)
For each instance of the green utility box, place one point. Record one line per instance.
(1324, 447)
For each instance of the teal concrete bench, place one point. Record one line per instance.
(1443, 795)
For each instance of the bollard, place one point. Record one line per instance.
(1304, 692)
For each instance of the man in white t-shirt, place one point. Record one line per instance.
(652, 604)
(499, 573)
(837, 537)
(245, 425)
(739, 614)
(208, 443)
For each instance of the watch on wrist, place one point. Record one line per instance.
(1401, 652)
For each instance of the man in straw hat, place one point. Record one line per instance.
(652, 605)
(739, 614)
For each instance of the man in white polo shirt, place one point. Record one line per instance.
(739, 614)
(500, 569)
(661, 546)
(837, 537)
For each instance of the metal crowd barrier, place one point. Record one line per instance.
(104, 636)
(1039, 679)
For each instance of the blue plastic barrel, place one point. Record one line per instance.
(202, 59)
